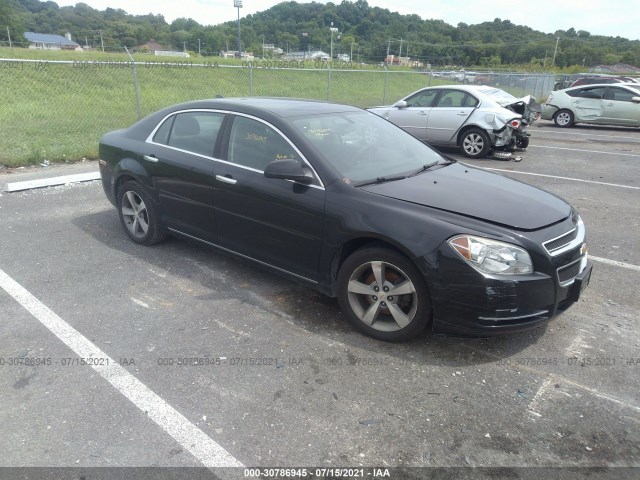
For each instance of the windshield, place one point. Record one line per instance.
(362, 146)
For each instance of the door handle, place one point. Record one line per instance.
(422, 113)
(228, 180)
(150, 158)
(462, 114)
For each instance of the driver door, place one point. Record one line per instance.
(413, 117)
(277, 222)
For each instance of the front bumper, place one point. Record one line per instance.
(466, 302)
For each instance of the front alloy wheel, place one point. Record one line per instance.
(383, 294)
(475, 143)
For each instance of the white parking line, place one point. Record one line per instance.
(190, 437)
(564, 133)
(620, 154)
(615, 263)
(560, 178)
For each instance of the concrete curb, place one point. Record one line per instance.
(50, 182)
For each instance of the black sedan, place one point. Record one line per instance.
(349, 204)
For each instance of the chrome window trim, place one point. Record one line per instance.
(319, 185)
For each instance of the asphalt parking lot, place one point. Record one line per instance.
(279, 379)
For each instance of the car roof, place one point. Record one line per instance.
(634, 86)
(282, 107)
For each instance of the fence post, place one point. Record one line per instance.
(329, 81)
(386, 79)
(135, 83)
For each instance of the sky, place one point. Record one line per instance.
(597, 17)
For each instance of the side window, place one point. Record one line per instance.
(162, 134)
(253, 144)
(422, 99)
(469, 101)
(619, 94)
(451, 98)
(591, 92)
(193, 131)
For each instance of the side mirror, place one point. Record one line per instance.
(400, 104)
(635, 99)
(288, 169)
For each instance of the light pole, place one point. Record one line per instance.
(238, 4)
(333, 30)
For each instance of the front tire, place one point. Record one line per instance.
(475, 143)
(138, 215)
(383, 294)
(563, 118)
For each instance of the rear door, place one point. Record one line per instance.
(179, 157)
(619, 109)
(587, 104)
(413, 117)
(449, 113)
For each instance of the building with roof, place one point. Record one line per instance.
(47, 41)
(301, 56)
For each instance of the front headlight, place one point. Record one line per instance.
(491, 256)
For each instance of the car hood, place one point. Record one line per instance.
(527, 106)
(475, 193)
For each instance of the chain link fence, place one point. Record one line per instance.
(58, 110)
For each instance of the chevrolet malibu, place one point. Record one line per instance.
(343, 201)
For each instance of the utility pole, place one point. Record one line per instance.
(184, 46)
(9, 35)
(400, 54)
(238, 5)
(333, 30)
(198, 47)
(553, 62)
(388, 47)
(351, 56)
(101, 41)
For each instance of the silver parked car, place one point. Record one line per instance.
(475, 118)
(604, 104)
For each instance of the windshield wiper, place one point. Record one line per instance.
(424, 168)
(380, 180)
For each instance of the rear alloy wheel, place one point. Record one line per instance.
(383, 294)
(138, 215)
(563, 118)
(475, 143)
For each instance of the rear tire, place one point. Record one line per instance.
(522, 142)
(138, 215)
(383, 294)
(563, 118)
(475, 143)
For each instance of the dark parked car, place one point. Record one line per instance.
(347, 203)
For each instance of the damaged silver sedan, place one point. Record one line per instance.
(478, 119)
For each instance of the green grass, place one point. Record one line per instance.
(58, 112)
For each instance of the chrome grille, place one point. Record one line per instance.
(560, 242)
